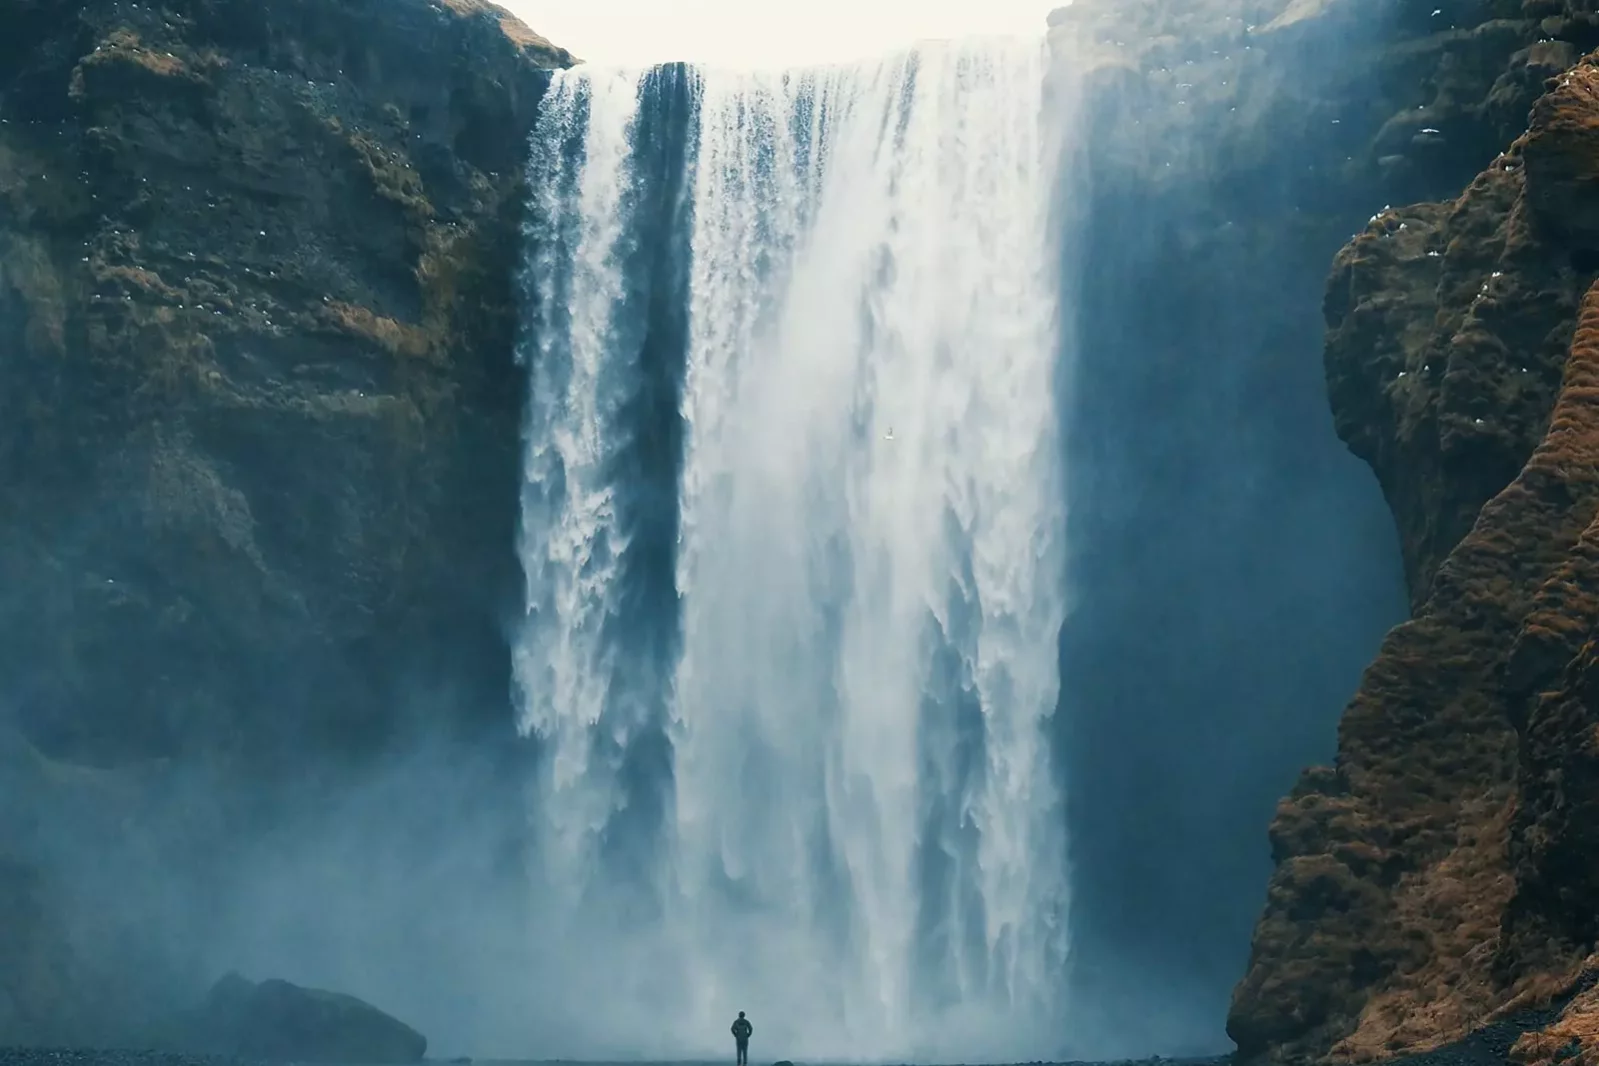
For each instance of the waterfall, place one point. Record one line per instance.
(855, 826)
(572, 541)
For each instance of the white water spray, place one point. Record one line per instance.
(865, 846)
(571, 543)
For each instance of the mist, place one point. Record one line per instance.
(400, 881)
(1233, 567)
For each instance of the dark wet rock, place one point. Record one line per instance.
(279, 1021)
(261, 411)
(256, 273)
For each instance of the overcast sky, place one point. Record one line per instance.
(765, 33)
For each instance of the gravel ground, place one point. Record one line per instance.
(24, 1056)
(1489, 1046)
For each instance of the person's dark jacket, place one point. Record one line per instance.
(742, 1030)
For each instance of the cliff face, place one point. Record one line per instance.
(1235, 146)
(261, 409)
(256, 268)
(1439, 873)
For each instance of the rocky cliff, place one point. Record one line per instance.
(1437, 875)
(257, 264)
(1431, 877)
(261, 407)
(256, 269)
(1235, 147)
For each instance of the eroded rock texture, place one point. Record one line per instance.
(260, 410)
(1441, 871)
(256, 262)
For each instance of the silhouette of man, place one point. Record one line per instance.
(741, 1037)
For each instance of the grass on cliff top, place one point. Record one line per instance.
(513, 27)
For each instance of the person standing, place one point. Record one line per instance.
(741, 1038)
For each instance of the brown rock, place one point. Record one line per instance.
(1562, 156)
(1573, 1038)
(1442, 873)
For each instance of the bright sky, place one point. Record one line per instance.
(766, 33)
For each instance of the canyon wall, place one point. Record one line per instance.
(1433, 877)
(258, 320)
(258, 317)
(260, 396)
(1429, 878)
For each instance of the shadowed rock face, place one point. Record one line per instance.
(260, 409)
(1441, 871)
(277, 1021)
(1235, 146)
(256, 264)
(1211, 503)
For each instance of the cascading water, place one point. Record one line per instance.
(860, 836)
(572, 539)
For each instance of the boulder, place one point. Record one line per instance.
(277, 1020)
